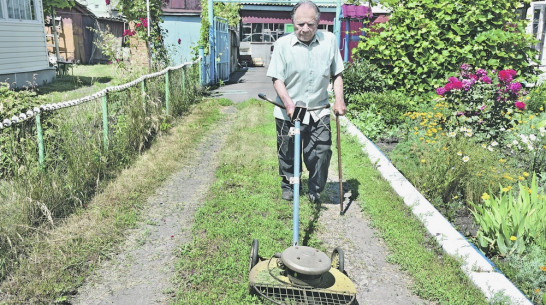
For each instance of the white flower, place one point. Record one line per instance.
(452, 134)
(466, 158)
(530, 147)
(515, 142)
(483, 145)
(494, 143)
(542, 131)
(490, 148)
(524, 138)
(502, 129)
(532, 137)
(468, 133)
(509, 145)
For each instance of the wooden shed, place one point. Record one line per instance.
(23, 51)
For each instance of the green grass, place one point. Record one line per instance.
(245, 204)
(85, 80)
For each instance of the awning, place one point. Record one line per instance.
(280, 17)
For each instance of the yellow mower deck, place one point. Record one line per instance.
(267, 280)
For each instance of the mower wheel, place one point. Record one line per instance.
(254, 254)
(338, 260)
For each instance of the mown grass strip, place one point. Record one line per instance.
(61, 258)
(245, 204)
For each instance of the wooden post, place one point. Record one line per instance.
(105, 121)
(40, 141)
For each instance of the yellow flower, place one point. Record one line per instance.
(444, 148)
(486, 196)
(513, 238)
(543, 268)
(537, 290)
(502, 160)
(520, 178)
(525, 174)
(423, 160)
(505, 189)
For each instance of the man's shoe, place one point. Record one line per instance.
(287, 195)
(314, 197)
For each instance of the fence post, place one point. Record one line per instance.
(105, 121)
(40, 141)
(183, 80)
(202, 65)
(143, 89)
(167, 92)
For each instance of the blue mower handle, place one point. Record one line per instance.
(264, 97)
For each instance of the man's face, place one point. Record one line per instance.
(305, 24)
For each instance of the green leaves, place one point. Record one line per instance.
(510, 223)
(424, 38)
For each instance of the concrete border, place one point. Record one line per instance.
(478, 268)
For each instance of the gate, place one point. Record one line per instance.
(223, 47)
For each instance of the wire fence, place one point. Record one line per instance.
(55, 155)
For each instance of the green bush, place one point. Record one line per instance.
(425, 41)
(360, 77)
(391, 105)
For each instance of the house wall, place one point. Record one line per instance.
(23, 52)
(185, 28)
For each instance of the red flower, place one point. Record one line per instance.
(519, 104)
(107, 2)
(507, 75)
(179, 40)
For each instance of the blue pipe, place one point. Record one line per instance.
(347, 37)
(296, 211)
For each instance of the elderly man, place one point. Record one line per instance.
(302, 65)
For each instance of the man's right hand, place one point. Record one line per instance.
(290, 108)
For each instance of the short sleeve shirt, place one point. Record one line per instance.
(306, 70)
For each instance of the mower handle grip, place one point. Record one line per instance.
(264, 97)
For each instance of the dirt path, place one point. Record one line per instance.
(143, 272)
(378, 282)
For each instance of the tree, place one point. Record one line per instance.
(425, 41)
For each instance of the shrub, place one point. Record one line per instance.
(360, 77)
(390, 105)
(536, 100)
(425, 40)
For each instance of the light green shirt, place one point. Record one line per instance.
(306, 70)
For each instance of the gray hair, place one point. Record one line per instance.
(306, 2)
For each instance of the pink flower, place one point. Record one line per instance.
(519, 104)
(452, 79)
(485, 79)
(107, 2)
(515, 87)
(507, 75)
(466, 67)
(467, 83)
(481, 73)
(179, 40)
(457, 85)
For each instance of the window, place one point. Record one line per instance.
(21, 9)
(1, 11)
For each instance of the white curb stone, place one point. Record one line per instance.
(477, 267)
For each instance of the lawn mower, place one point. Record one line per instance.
(300, 274)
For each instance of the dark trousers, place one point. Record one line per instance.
(316, 142)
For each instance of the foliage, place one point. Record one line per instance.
(528, 272)
(487, 107)
(229, 11)
(508, 223)
(15, 102)
(77, 162)
(527, 144)
(136, 13)
(360, 77)
(425, 39)
(536, 100)
(375, 114)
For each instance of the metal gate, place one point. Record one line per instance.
(223, 47)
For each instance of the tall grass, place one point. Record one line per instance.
(77, 161)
